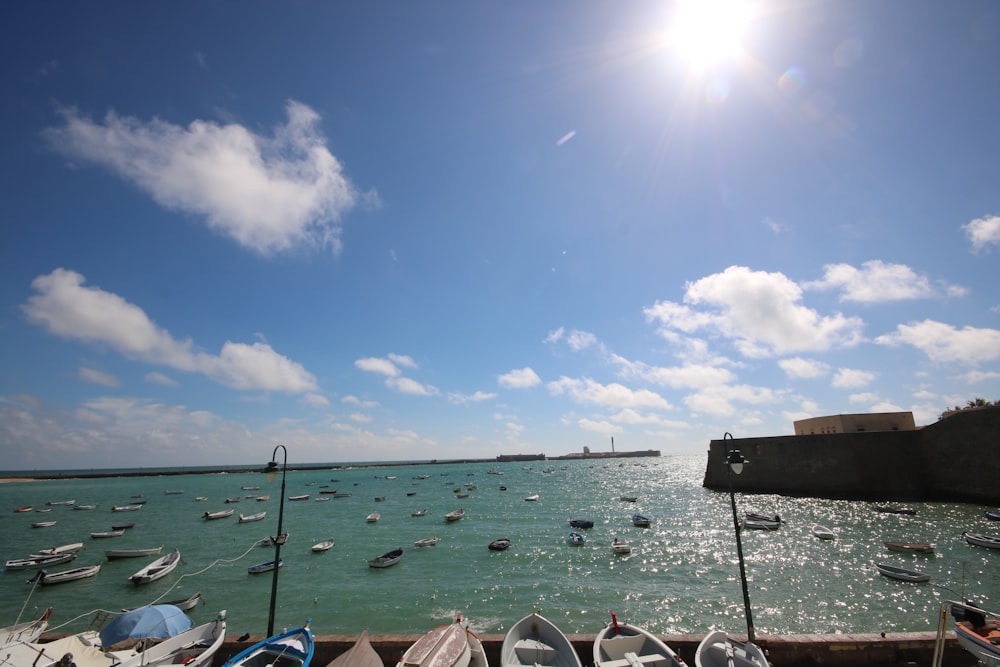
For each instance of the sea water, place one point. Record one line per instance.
(682, 575)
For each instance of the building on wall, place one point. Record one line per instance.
(874, 422)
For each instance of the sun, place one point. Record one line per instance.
(705, 32)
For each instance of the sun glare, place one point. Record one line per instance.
(708, 31)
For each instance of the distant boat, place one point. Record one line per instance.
(158, 569)
(61, 502)
(65, 548)
(641, 520)
(122, 526)
(234, 499)
(621, 547)
(48, 578)
(320, 547)
(628, 499)
(304, 496)
(134, 507)
(43, 524)
(427, 542)
(373, 517)
(576, 539)
(387, 559)
(261, 568)
(581, 523)
(979, 540)
(221, 514)
(84, 507)
(172, 492)
(532, 498)
(33, 562)
(454, 515)
(247, 518)
(422, 512)
(24, 508)
(117, 554)
(891, 509)
(107, 533)
(501, 544)
(910, 547)
(902, 574)
(261, 499)
(823, 533)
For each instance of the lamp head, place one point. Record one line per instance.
(735, 461)
(271, 471)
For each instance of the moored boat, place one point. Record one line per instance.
(293, 648)
(500, 544)
(427, 542)
(451, 645)
(72, 574)
(108, 533)
(980, 540)
(532, 498)
(625, 645)
(992, 516)
(248, 518)
(185, 604)
(422, 512)
(581, 523)
(221, 514)
(24, 508)
(760, 524)
(977, 630)
(320, 547)
(576, 539)
(64, 548)
(640, 520)
(902, 574)
(37, 561)
(261, 568)
(718, 649)
(43, 524)
(822, 532)
(116, 554)
(192, 648)
(534, 640)
(123, 526)
(126, 508)
(61, 502)
(454, 515)
(910, 547)
(892, 509)
(304, 496)
(158, 569)
(373, 517)
(387, 559)
(621, 547)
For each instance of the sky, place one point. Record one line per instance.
(386, 231)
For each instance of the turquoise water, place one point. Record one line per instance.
(681, 577)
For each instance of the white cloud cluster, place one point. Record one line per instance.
(874, 282)
(268, 194)
(944, 343)
(613, 395)
(522, 378)
(389, 366)
(67, 308)
(983, 232)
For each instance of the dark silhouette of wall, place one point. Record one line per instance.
(956, 459)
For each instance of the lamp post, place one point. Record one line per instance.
(271, 471)
(734, 466)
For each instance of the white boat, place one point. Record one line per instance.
(192, 648)
(576, 539)
(979, 540)
(427, 542)
(116, 554)
(901, 573)
(186, 604)
(293, 648)
(977, 630)
(85, 507)
(72, 574)
(760, 524)
(43, 524)
(159, 568)
(910, 547)
(534, 640)
(61, 502)
(261, 568)
(304, 496)
(454, 515)
(126, 508)
(221, 514)
(247, 518)
(532, 498)
(320, 547)
(387, 559)
(451, 645)
(621, 547)
(28, 631)
(108, 533)
(361, 654)
(64, 548)
(37, 561)
(419, 513)
(718, 649)
(823, 533)
(625, 645)
(373, 517)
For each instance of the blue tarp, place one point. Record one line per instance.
(159, 621)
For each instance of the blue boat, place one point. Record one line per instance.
(260, 568)
(576, 539)
(640, 520)
(293, 648)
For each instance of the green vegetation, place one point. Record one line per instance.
(970, 405)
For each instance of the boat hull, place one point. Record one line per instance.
(717, 649)
(624, 645)
(293, 648)
(534, 640)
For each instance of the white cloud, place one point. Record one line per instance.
(944, 343)
(377, 365)
(612, 395)
(605, 428)
(774, 225)
(410, 386)
(720, 401)
(521, 378)
(268, 194)
(354, 400)
(576, 340)
(863, 397)
(688, 376)
(317, 400)
(874, 282)
(402, 360)
(981, 376)
(760, 311)
(464, 399)
(803, 369)
(94, 376)
(630, 416)
(983, 232)
(159, 378)
(851, 378)
(64, 307)
(360, 417)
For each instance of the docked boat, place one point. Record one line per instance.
(501, 544)
(422, 512)
(373, 517)
(320, 547)
(102, 534)
(977, 630)
(185, 604)
(38, 560)
(28, 631)
(116, 554)
(535, 640)
(293, 648)
(454, 515)
(72, 574)
(626, 645)
(621, 547)
(361, 654)
(451, 645)
(576, 539)
(427, 542)
(910, 547)
(192, 648)
(822, 532)
(902, 574)
(640, 520)
(980, 540)
(158, 569)
(261, 568)
(718, 649)
(387, 559)
(221, 514)
(248, 518)
(581, 523)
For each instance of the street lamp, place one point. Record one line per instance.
(271, 471)
(734, 466)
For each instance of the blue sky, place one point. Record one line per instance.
(417, 230)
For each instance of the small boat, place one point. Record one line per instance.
(462, 495)
(24, 508)
(61, 502)
(186, 604)
(43, 524)
(454, 515)
(65, 548)
(320, 547)
(628, 499)
(173, 492)
(756, 516)
(451, 645)
(322, 500)
(980, 540)
(85, 507)
(221, 514)
(576, 539)
(581, 523)
(992, 516)
(39, 561)
(304, 496)
(234, 499)
(625, 645)
(158, 569)
(263, 499)
(373, 517)
(501, 544)
(379, 499)
(532, 498)
(640, 520)
(293, 648)
(422, 512)
(116, 554)
(28, 631)
(892, 509)
(910, 547)
(977, 630)
(134, 507)
(718, 649)
(387, 559)
(192, 648)
(427, 542)
(107, 533)
(47, 578)
(902, 574)
(534, 640)
(822, 532)
(200, 499)
(254, 487)
(620, 547)
(261, 568)
(759, 524)
(46, 509)
(122, 526)
(247, 518)
(361, 654)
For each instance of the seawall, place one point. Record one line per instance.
(952, 460)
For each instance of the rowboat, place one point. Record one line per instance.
(581, 523)
(262, 499)
(992, 516)
(159, 568)
(304, 496)
(247, 518)
(123, 526)
(320, 547)
(107, 533)
(427, 542)
(293, 648)
(373, 517)
(823, 533)
(85, 507)
(261, 568)
(43, 524)
(24, 508)
(126, 508)
(172, 492)
(892, 509)
(221, 514)
(910, 547)
(902, 574)
(65, 548)
(28, 631)
(234, 499)
(501, 544)
(640, 520)
(620, 547)
(185, 604)
(979, 540)
(61, 502)
(454, 515)
(625, 645)
(532, 498)
(718, 649)
(977, 630)
(760, 524)
(387, 559)
(116, 554)
(419, 513)
(72, 574)
(451, 645)
(192, 648)
(576, 539)
(36, 561)
(628, 499)
(534, 640)
(361, 654)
